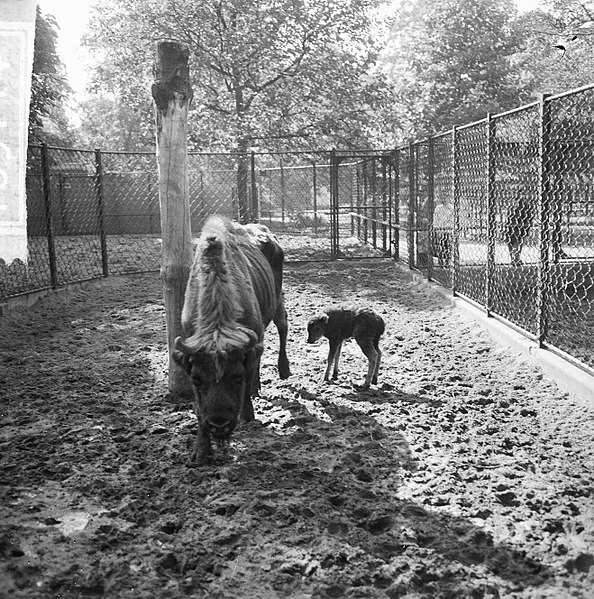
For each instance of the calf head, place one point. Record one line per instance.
(316, 327)
(222, 382)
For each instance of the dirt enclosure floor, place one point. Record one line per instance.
(463, 473)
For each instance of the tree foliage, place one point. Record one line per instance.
(265, 73)
(49, 88)
(452, 62)
(558, 50)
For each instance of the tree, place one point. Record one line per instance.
(558, 47)
(111, 124)
(49, 88)
(266, 73)
(452, 63)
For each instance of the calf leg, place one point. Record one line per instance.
(333, 355)
(336, 358)
(369, 350)
(282, 326)
(377, 362)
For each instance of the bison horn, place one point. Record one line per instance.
(179, 344)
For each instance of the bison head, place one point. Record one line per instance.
(222, 382)
(316, 327)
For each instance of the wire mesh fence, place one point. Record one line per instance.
(501, 211)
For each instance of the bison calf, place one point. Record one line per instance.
(343, 322)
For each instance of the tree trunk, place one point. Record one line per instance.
(172, 95)
(243, 146)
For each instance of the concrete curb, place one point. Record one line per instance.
(27, 299)
(569, 378)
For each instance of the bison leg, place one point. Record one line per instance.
(282, 326)
(246, 410)
(202, 449)
(252, 382)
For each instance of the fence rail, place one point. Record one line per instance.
(501, 211)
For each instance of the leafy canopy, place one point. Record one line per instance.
(265, 73)
(452, 62)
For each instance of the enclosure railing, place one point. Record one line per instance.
(501, 211)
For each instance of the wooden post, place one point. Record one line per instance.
(172, 95)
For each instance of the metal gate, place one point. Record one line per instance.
(328, 205)
(364, 202)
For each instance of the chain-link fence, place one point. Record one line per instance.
(501, 211)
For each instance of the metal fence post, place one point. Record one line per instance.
(544, 211)
(365, 218)
(395, 216)
(255, 202)
(101, 210)
(358, 169)
(411, 205)
(282, 190)
(374, 200)
(47, 201)
(352, 206)
(430, 203)
(384, 201)
(315, 197)
(334, 242)
(456, 198)
(491, 214)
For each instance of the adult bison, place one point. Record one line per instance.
(234, 291)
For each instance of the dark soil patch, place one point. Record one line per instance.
(464, 473)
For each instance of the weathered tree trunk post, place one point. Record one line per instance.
(172, 95)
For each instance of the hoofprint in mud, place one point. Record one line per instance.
(463, 473)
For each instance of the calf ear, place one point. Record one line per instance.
(181, 359)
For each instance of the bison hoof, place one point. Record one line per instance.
(196, 462)
(198, 456)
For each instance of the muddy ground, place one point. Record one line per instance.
(463, 473)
